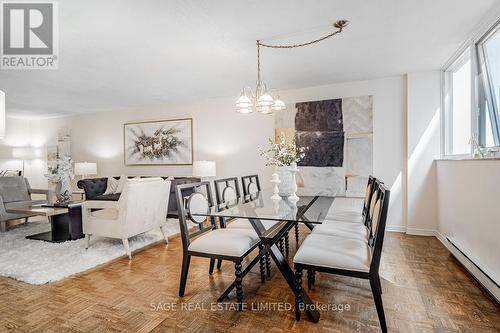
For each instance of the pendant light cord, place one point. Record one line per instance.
(340, 25)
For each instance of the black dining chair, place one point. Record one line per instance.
(227, 192)
(251, 185)
(354, 215)
(208, 240)
(348, 229)
(347, 256)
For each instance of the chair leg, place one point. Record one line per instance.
(184, 274)
(239, 287)
(212, 266)
(310, 273)
(282, 247)
(268, 264)
(377, 297)
(297, 233)
(87, 241)
(164, 232)
(219, 264)
(25, 220)
(287, 244)
(379, 285)
(298, 293)
(3, 226)
(127, 248)
(262, 265)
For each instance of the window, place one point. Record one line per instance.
(488, 50)
(458, 106)
(472, 96)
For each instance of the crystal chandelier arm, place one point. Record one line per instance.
(340, 25)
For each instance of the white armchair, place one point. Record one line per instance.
(142, 207)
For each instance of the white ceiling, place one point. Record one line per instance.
(125, 54)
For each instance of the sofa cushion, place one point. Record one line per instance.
(106, 214)
(14, 189)
(112, 186)
(107, 197)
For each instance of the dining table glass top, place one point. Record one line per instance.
(261, 206)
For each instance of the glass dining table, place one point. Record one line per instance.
(258, 207)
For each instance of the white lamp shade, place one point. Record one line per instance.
(265, 100)
(85, 168)
(2, 114)
(279, 105)
(243, 102)
(204, 168)
(244, 110)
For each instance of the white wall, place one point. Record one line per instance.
(468, 211)
(231, 139)
(388, 109)
(219, 133)
(423, 147)
(18, 134)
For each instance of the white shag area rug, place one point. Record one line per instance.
(38, 262)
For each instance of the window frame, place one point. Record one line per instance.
(484, 74)
(460, 57)
(478, 95)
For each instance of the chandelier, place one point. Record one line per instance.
(261, 99)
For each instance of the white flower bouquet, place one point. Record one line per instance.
(283, 153)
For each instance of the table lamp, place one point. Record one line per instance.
(204, 169)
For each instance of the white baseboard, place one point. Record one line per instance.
(421, 232)
(395, 228)
(476, 273)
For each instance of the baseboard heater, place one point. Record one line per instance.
(450, 240)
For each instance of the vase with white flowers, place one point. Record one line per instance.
(60, 172)
(284, 156)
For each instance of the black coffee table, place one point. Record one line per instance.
(65, 221)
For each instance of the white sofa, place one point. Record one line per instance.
(142, 207)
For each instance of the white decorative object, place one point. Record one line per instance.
(293, 170)
(62, 173)
(282, 155)
(285, 186)
(275, 180)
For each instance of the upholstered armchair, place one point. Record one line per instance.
(142, 207)
(16, 192)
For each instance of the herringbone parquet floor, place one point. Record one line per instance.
(425, 290)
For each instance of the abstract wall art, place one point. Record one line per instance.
(163, 142)
(339, 134)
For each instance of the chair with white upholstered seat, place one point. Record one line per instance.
(359, 231)
(339, 211)
(347, 256)
(209, 241)
(251, 185)
(142, 207)
(227, 192)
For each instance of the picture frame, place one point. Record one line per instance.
(158, 142)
